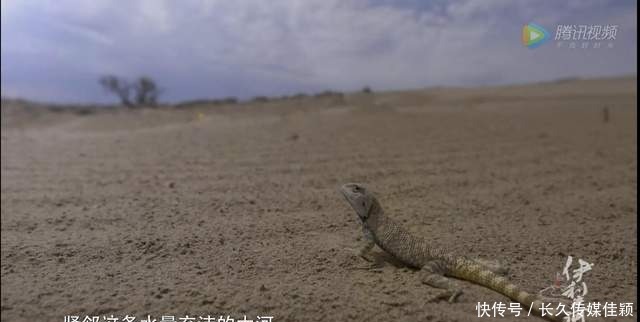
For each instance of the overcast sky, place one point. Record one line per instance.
(56, 50)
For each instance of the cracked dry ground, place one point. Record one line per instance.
(235, 210)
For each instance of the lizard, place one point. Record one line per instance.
(436, 265)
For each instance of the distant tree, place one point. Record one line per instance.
(117, 86)
(147, 91)
(366, 90)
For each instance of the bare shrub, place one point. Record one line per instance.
(145, 89)
(117, 86)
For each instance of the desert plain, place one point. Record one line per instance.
(234, 209)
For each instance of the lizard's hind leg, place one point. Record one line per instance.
(433, 275)
(492, 265)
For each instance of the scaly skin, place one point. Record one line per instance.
(435, 263)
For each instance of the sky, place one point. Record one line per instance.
(56, 51)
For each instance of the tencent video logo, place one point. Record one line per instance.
(534, 35)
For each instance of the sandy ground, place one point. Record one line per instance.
(234, 210)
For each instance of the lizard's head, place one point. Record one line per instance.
(359, 198)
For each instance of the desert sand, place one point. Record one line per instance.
(235, 210)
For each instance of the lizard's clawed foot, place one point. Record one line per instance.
(365, 257)
(448, 295)
(373, 268)
(359, 253)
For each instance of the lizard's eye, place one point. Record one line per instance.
(356, 188)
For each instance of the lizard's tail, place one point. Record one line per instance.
(478, 274)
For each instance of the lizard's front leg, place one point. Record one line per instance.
(433, 275)
(366, 247)
(370, 242)
(363, 252)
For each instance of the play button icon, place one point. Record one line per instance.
(534, 35)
